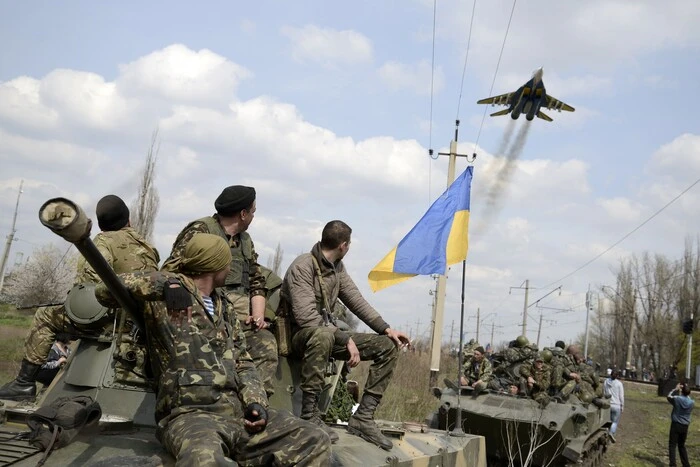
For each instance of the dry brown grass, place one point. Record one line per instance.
(408, 397)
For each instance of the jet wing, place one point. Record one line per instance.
(503, 99)
(555, 104)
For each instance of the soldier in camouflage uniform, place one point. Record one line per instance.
(211, 407)
(476, 371)
(245, 284)
(536, 379)
(572, 371)
(312, 284)
(125, 250)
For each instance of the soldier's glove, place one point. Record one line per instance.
(255, 408)
(176, 298)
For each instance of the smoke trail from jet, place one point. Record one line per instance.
(507, 135)
(494, 195)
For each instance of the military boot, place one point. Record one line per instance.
(310, 413)
(362, 422)
(24, 386)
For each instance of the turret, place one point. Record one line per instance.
(67, 220)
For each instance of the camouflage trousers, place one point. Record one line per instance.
(582, 389)
(261, 344)
(47, 322)
(317, 345)
(202, 439)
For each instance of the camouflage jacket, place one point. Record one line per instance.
(125, 250)
(475, 371)
(256, 280)
(588, 374)
(515, 354)
(301, 289)
(541, 376)
(204, 364)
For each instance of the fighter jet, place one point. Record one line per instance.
(528, 99)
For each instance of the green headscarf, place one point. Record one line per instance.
(203, 253)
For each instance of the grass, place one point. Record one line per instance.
(10, 316)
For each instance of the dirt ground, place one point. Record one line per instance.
(642, 434)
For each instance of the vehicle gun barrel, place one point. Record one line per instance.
(67, 220)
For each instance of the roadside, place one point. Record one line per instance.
(642, 435)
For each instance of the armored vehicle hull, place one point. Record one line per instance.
(113, 370)
(519, 432)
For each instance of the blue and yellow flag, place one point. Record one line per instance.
(438, 240)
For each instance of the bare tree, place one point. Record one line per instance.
(274, 262)
(145, 207)
(46, 277)
(527, 443)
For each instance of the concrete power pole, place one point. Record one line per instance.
(527, 290)
(589, 306)
(10, 238)
(628, 362)
(539, 331)
(493, 325)
(478, 310)
(688, 361)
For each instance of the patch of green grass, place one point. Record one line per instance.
(10, 316)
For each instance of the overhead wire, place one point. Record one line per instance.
(498, 64)
(659, 211)
(466, 58)
(432, 89)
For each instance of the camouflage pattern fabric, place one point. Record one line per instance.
(262, 345)
(317, 345)
(474, 371)
(125, 251)
(201, 438)
(540, 389)
(205, 380)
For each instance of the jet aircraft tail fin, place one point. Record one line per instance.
(501, 112)
(544, 116)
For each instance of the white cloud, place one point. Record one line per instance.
(621, 209)
(327, 46)
(414, 77)
(180, 74)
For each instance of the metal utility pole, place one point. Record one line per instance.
(589, 305)
(10, 238)
(525, 306)
(439, 312)
(478, 310)
(628, 362)
(688, 361)
(539, 331)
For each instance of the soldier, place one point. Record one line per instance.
(476, 371)
(211, 407)
(125, 250)
(312, 284)
(536, 378)
(245, 284)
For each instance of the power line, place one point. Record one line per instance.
(466, 57)
(627, 235)
(430, 132)
(500, 55)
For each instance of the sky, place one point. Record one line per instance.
(326, 109)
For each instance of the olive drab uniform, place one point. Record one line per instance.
(474, 371)
(542, 377)
(206, 379)
(244, 281)
(126, 251)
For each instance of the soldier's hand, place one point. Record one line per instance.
(255, 418)
(354, 359)
(258, 322)
(178, 302)
(400, 339)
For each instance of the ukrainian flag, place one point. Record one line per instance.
(438, 240)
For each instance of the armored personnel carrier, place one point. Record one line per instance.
(520, 432)
(113, 370)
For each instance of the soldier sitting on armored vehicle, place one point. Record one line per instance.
(535, 379)
(476, 371)
(125, 250)
(211, 407)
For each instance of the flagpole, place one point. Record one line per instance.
(439, 310)
(458, 431)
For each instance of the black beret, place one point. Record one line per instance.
(234, 199)
(112, 213)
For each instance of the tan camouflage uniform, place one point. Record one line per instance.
(262, 345)
(206, 379)
(125, 251)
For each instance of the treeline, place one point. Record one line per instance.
(638, 322)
